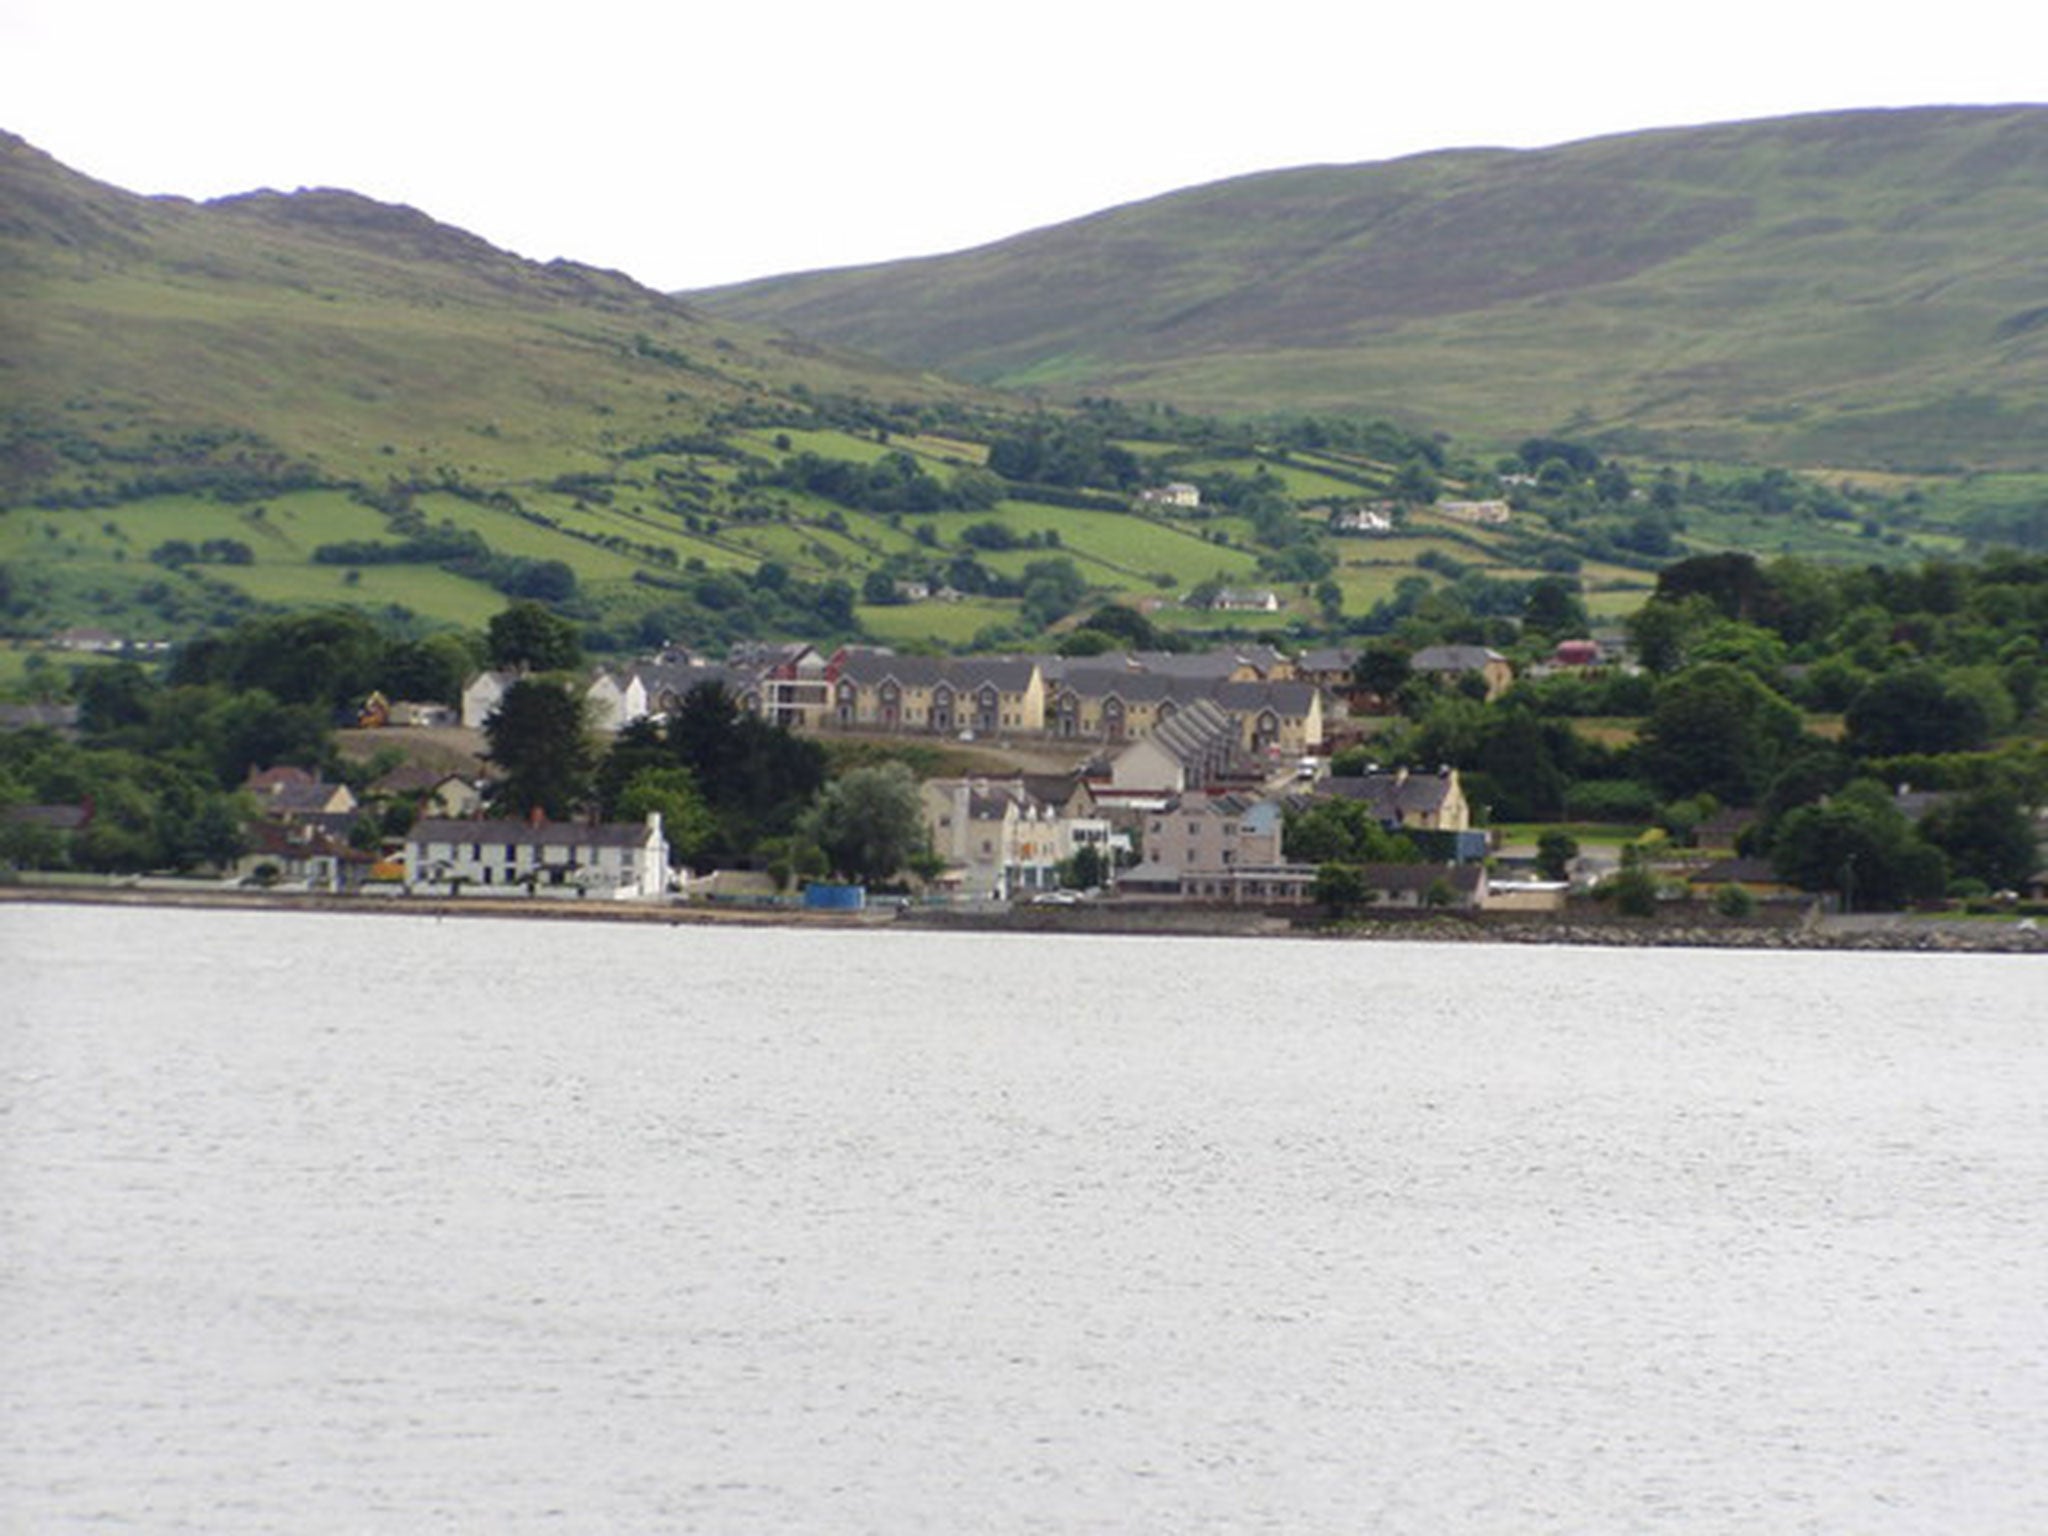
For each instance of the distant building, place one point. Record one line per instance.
(1453, 661)
(1479, 512)
(1177, 494)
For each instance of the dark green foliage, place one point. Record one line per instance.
(1859, 846)
(526, 636)
(540, 744)
(1716, 729)
(755, 777)
(1916, 709)
(1336, 831)
(1555, 850)
(1987, 835)
(1632, 891)
(868, 822)
(329, 659)
(146, 811)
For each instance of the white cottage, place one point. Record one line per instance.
(617, 861)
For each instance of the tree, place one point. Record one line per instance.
(1633, 890)
(1663, 630)
(1339, 888)
(1553, 607)
(1716, 728)
(1987, 835)
(1052, 590)
(1555, 850)
(1859, 845)
(527, 636)
(868, 822)
(541, 745)
(686, 822)
(1914, 710)
(756, 777)
(1382, 669)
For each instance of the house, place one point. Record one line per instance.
(1404, 800)
(482, 695)
(985, 695)
(1245, 600)
(290, 793)
(1192, 746)
(300, 855)
(437, 793)
(1177, 494)
(615, 700)
(93, 642)
(1274, 720)
(1371, 522)
(1201, 831)
(40, 835)
(785, 684)
(619, 861)
(999, 839)
(1388, 887)
(1451, 662)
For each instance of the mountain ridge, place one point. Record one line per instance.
(1845, 287)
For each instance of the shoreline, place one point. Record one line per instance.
(1899, 933)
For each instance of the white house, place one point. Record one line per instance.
(615, 701)
(481, 696)
(616, 861)
(1178, 493)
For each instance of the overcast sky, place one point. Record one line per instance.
(690, 144)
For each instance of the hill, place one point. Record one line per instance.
(1848, 289)
(319, 335)
(288, 401)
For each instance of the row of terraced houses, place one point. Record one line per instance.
(1277, 704)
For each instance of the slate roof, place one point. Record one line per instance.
(1391, 796)
(548, 834)
(1454, 658)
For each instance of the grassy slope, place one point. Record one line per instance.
(379, 345)
(364, 338)
(1856, 288)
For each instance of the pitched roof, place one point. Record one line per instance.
(1391, 796)
(548, 834)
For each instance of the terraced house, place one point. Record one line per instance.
(943, 695)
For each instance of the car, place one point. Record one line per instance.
(1056, 899)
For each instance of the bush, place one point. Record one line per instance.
(1733, 901)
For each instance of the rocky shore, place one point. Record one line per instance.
(1892, 932)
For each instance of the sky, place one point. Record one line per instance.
(690, 144)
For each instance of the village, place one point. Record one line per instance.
(1142, 778)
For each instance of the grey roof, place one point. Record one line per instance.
(1391, 795)
(1199, 736)
(548, 834)
(1289, 698)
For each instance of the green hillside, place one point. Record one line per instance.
(1851, 289)
(322, 336)
(278, 402)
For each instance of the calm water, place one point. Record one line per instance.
(379, 1224)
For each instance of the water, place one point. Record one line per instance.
(382, 1224)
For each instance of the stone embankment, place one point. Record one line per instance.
(1671, 930)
